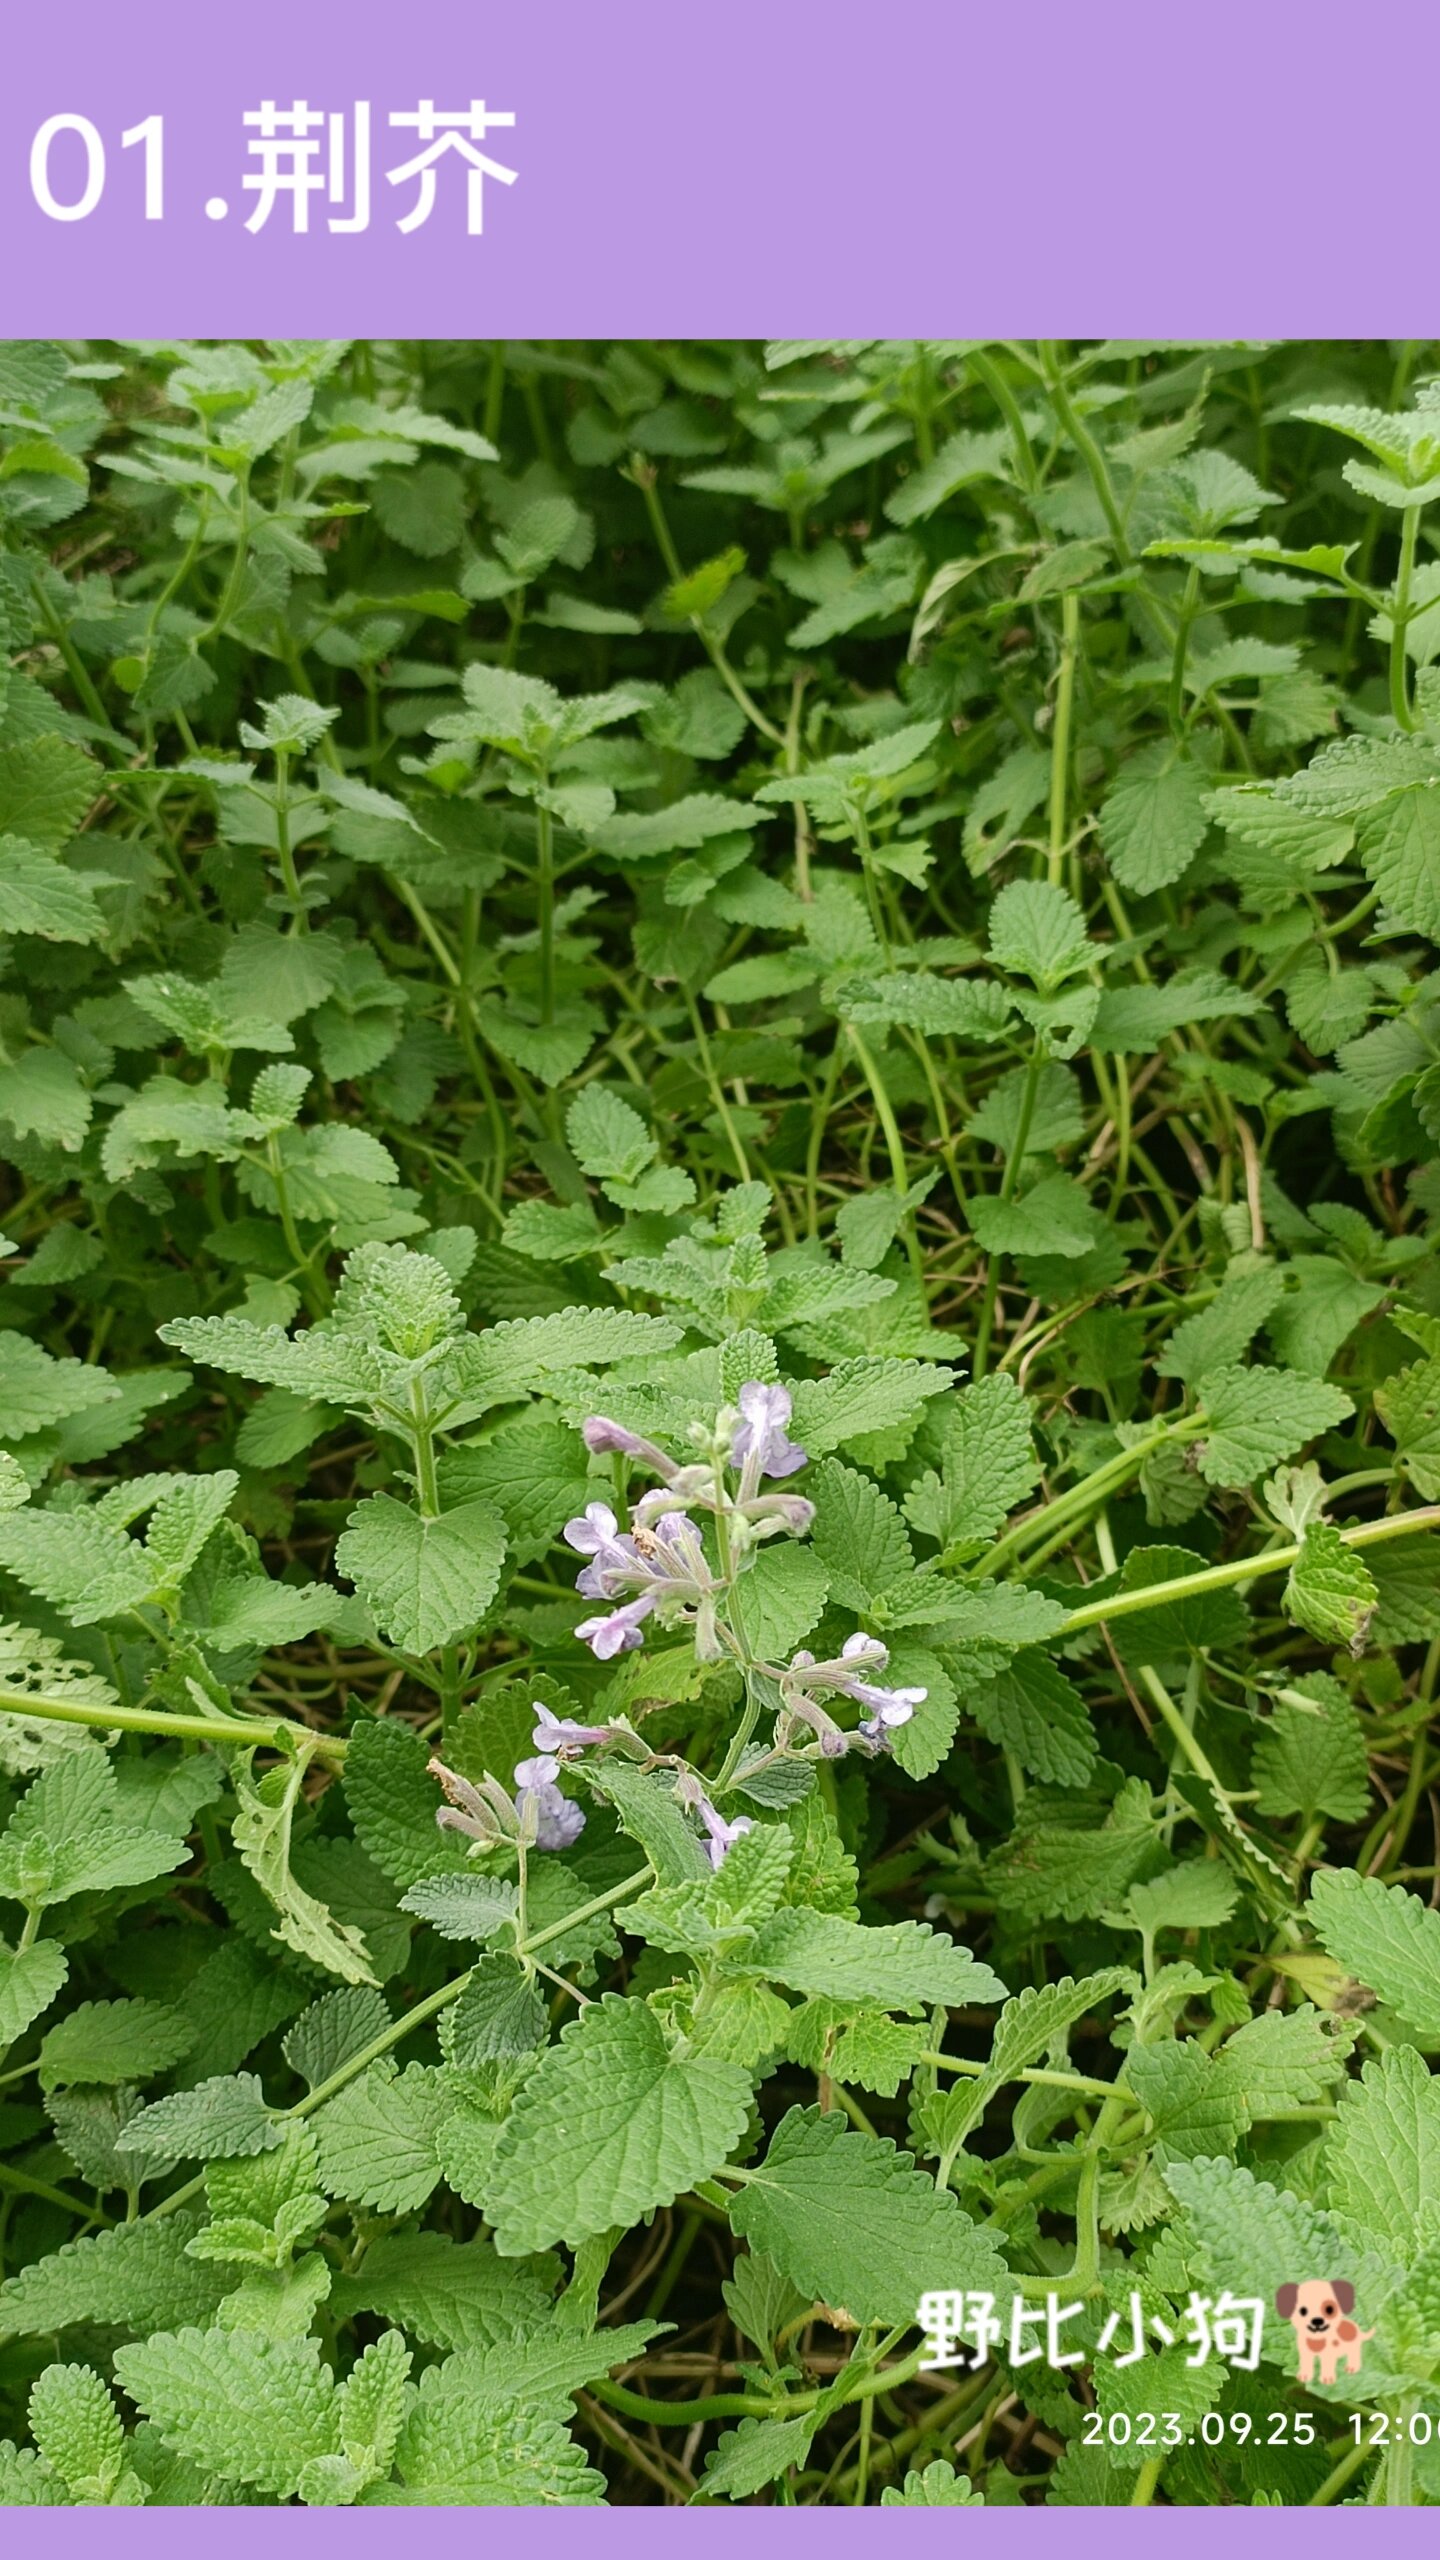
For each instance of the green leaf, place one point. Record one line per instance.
(1254, 2237)
(30, 1978)
(860, 1396)
(424, 1581)
(610, 2125)
(1383, 2152)
(110, 2041)
(1384, 1937)
(1038, 932)
(463, 1906)
(938, 2485)
(1285, 2059)
(448, 2293)
(461, 2450)
(1216, 1336)
(64, 1838)
(854, 2224)
(1152, 824)
(222, 2119)
(1054, 1216)
(858, 1535)
(1408, 1403)
(46, 786)
(1199, 1894)
(249, 2408)
(1311, 1756)
(906, 1966)
(1257, 1417)
(77, 2428)
(377, 2138)
(1191, 1623)
(987, 1466)
(42, 1096)
(37, 1390)
(1030, 1708)
(1329, 1591)
(1195, 2109)
(336, 2027)
(1399, 844)
(133, 2277)
(392, 1802)
(1139, 1018)
(261, 1832)
(645, 1807)
(748, 2457)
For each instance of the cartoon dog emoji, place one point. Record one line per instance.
(1319, 2315)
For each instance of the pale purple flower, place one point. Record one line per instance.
(898, 1709)
(487, 1814)
(604, 1438)
(620, 1631)
(557, 1821)
(834, 1741)
(722, 1835)
(759, 1445)
(561, 1737)
(598, 1534)
(482, 1813)
(844, 1676)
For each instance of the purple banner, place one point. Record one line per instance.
(787, 2533)
(766, 168)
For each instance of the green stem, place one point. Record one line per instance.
(1051, 1524)
(1400, 618)
(1220, 1577)
(1013, 1164)
(987, 371)
(545, 886)
(234, 1734)
(1088, 450)
(1060, 746)
(895, 1147)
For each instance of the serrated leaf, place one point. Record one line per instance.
(987, 1466)
(132, 2277)
(609, 2126)
(1310, 1757)
(1383, 2151)
(1329, 1591)
(30, 1978)
(1030, 1708)
(1152, 824)
(1257, 1417)
(854, 2224)
(249, 2408)
(222, 2119)
(448, 2293)
(109, 2041)
(426, 1581)
(377, 2138)
(904, 1967)
(1384, 1937)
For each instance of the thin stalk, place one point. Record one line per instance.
(1013, 1164)
(1060, 745)
(234, 1733)
(895, 1147)
(1400, 619)
(1221, 1577)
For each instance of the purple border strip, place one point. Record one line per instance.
(646, 2533)
(1128, 167)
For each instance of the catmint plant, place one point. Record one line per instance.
(719, 1480)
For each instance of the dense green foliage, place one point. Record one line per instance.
(859, 921)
